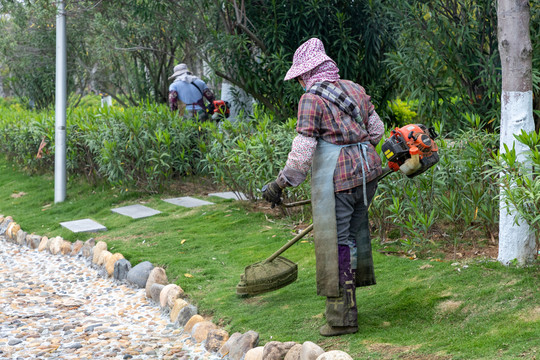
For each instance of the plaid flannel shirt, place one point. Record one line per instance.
(319, 118)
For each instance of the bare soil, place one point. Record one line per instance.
(471, 245)
(195, 186)
(390, 351)
(474, 244)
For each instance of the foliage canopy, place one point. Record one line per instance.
(441, 54)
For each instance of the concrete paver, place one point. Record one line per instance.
(136, 211)
(229, 195)
(188, 201)
(83, 225)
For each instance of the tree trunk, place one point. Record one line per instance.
(516, 242)
(1, 83)
(238, 99)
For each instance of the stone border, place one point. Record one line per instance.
(171, 299)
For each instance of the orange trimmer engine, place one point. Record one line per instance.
(220, 109)
(411, 149)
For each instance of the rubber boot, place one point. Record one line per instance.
(328, 330)
(341, 312)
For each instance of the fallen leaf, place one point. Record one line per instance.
(427, 266)
(188, 275)
(39, 154)
(182, 242)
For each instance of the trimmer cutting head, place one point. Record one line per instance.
(266, 276)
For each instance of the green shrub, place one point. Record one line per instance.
(145, 147)
(13, 103)
(400, 113)
(519, 179)
(21, 132)
(453, 194)
(249, 153)
(90, 101)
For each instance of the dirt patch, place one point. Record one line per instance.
(255, 300)
(531, 315)
(464, 251)
(389, 351)
(332, 343)
(449, 306)
(476, 243)
(193, 187)
(277, 212)
(440, 248)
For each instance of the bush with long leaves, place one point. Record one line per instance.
(145, 147)
(452, 198)
(519, 179)
(245, 155)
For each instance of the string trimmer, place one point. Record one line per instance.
(411, 149)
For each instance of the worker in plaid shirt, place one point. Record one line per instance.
(338, 130)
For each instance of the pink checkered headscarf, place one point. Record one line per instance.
(312, 64)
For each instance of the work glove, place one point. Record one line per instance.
(210, 108)
(271, 192)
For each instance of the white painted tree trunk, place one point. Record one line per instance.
(516, 241)
(1, 86)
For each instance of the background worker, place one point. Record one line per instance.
(338, 129)
(188, 89)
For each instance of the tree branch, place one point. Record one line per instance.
(252, 36)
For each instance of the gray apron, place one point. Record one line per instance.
(324, 221)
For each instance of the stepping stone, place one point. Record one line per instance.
(188, 202)
(84, 225)
(229, 195)
(136, 211)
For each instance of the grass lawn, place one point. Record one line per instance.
(420, 309)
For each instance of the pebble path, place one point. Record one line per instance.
(59, 307)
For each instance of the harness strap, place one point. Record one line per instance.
(198, 88)
(335, 95)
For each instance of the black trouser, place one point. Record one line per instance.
(353, 238)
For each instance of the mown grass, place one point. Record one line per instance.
(420, 309)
